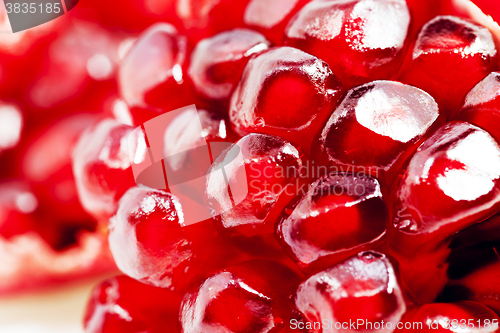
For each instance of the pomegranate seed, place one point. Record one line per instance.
(450, 56)
(482, 105)
(271, 18)
(284, 92)
(363, 286)
(451, 183)
(101, 166)
(376, 128)
(339, 216)
(443, 317)
(151, 76)
(204, 18)
(250, 184)
(349, 36)
(123, 305)
(218, 62)
(250, 297)
(151, 242)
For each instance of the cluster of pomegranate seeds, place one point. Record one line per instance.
(258, 166)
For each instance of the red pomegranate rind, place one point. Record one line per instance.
(363, 286)
(482, 105)
(482, 286)
(123, 305)
(450, 56)
(218, 62)
(376, 128)
(339, 216)
(101, 166)
(450, 317)
(271, 18)
(151, 243)
(250, 297)
(261, 176)
(361, 40)
(284, 92)
(152, 76)
(27, 262)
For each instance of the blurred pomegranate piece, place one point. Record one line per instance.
(152, 74)
(362, 287)
(284, 92)
(450, 56)
(340, 215)
(451, 183)
(101, 165)
(123, 305)
(205, 18)
(271, 18)
(78, 71)
(251, 183)
(451, 317)
(186, 157)
(218, 62)
(361, 40)
(17, 205)
(250, 297)
(376, 128)
(11, 125)
(482, 105)
(151, 242)
(47, 165)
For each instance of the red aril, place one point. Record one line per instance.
(250, 297)
(123, 305)
(362, 287)
(271, 18)
(151, 242)
(251, 183)
(340, 215)
(482, 105)
(284, 92)
(376, 128)
(204, 18)
(450, 56)
(451, 183)
(451, 317)
(152, 76)
(101, 165)
(217, 62)
(361, 40)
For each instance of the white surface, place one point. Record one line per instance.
(56, 310)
